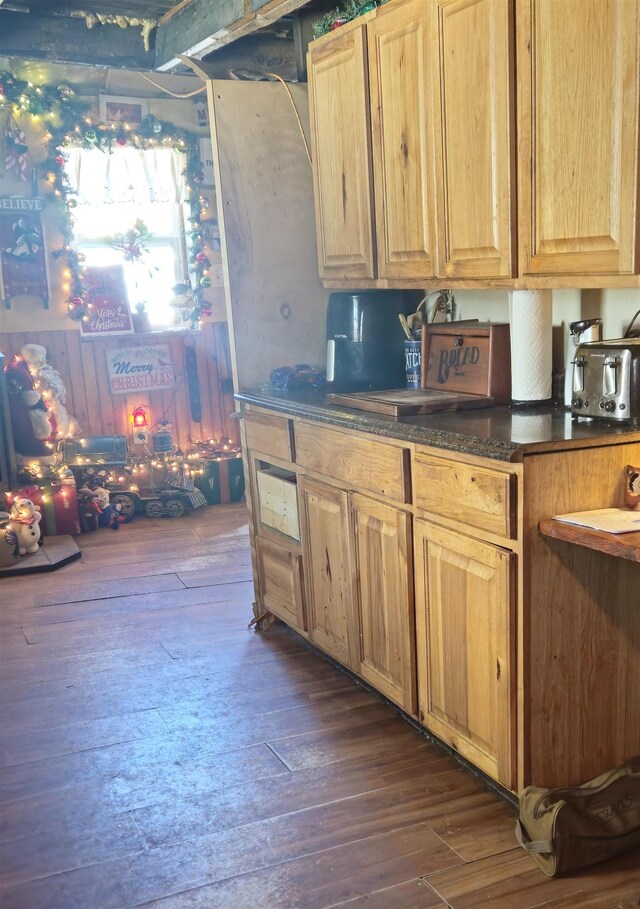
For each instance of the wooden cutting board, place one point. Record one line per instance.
(405, 402)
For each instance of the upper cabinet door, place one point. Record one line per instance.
(403, 156)
(472, 56)
(340, 140)
(578, 65)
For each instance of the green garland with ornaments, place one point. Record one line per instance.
(342, 14)
(67, 122)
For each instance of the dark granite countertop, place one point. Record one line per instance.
(503, 433)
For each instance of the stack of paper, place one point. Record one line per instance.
(611, 520)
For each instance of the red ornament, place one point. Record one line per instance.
(337, 23)
(202, 258)
(59, 160)
(206, 309)
(121, 141)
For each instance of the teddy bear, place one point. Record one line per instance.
(108, 514)
(48, 382)
(33, 424)
(24, 523)
(96, 510)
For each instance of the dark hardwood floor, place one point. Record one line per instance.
(156, 752)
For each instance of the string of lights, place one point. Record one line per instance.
(67, 121)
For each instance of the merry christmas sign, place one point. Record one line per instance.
(143, 368)
(109, 312)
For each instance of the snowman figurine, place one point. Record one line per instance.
(25, 520)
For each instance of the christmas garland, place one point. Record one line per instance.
(69, 123)
(342, 14)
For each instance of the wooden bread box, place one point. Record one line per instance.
(465, 365)
(468, 357)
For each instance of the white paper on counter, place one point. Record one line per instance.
(611, 520)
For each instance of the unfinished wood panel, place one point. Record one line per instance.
(341, 151)
(473, 66)
(465, 605)
(329, 578)
(354, 459)
(82, 365)
(276, 306)
(581, 628)
(384, 565)
(402, 137)
(278, 500)
(578, 134)
(477, 497)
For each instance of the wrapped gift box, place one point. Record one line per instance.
(58, 501)
(221, 480)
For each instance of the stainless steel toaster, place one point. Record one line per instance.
(606, 380)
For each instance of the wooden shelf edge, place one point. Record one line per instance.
(621, 545)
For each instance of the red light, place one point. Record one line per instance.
(139, 418)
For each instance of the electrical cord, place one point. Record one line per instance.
(198, 91)
(295, 110)
(627, 333)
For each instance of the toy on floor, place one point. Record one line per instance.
(97, 511)
(108, 514)
(24, 523)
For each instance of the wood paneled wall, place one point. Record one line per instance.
(82, 365)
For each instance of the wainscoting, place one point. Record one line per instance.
(82, 365)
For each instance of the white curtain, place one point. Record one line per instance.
(126, 175)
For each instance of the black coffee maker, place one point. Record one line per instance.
(365, 338)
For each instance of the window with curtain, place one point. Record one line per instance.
(114, 190)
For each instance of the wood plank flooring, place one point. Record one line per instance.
(156, 752)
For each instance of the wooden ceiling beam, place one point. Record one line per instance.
(63, 40)
(203, 27)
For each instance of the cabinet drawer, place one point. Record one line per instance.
(280, 573)
(357, 462)
(270, 434)
(481, 498)
(278, 500)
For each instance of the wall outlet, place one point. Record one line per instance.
(140, 436)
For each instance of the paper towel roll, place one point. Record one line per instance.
(530, 316)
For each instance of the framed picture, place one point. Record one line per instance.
(109, 312)
(116, 109)
(23, 264)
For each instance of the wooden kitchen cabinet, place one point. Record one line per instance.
(465, 627)
(331, 597)
(281, 583)
(578, 95)
(401, 93)
(473, 66)
(383, 558)
(341, 150)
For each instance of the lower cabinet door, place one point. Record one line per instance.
(385, 599)
(329, 577)
(281, 583)
(465, 597)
